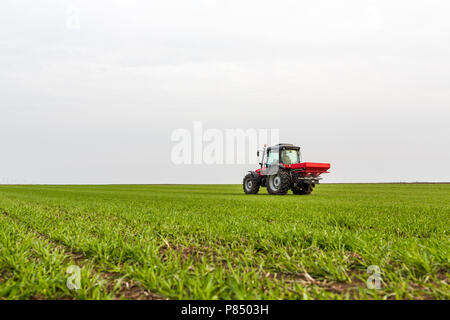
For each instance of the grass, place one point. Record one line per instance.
(215, 242)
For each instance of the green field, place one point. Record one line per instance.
(215, 242)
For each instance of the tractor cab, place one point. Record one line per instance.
(285, 154)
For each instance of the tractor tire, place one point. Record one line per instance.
(305, 188)
(278, 183)
(250, 184)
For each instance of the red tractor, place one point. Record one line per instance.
(281, 170)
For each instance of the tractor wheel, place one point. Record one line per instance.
(305, 188)
(278, 183)
(250, 184)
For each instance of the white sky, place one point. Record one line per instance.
(364, 85)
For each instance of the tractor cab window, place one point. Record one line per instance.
(272, 156)
(290, 156)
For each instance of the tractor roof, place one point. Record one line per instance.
(284, 145)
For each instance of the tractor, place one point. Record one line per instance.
(281, 169)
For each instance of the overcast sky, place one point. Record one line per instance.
(91, 91)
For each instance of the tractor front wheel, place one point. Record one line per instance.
(250, 184)
(278, 183)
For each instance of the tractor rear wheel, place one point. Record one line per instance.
(304, 188)
(250, 184)
(278, 183)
